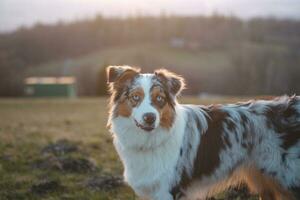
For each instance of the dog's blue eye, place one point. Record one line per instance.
(136, 97)
(159, 98)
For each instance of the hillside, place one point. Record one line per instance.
(222, 71)
(217, 54)
(146, 55)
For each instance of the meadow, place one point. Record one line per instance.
(61, 149)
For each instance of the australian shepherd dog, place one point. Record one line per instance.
(177, 151)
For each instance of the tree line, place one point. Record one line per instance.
(269, 63)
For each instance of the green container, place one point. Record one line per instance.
(50, 87)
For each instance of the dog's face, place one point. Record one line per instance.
(147, 100)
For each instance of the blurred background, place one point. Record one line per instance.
(60, 148)
(222, 47)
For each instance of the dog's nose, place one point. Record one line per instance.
(149, 118)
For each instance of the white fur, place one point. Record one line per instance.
(145, 107)
(149, 158)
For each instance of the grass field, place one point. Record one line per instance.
(61, 149)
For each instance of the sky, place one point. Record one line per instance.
(16, 13)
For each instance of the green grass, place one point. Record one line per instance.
(28, 125)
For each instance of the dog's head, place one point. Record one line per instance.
(146, 100)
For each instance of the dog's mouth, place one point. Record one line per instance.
(145, 128)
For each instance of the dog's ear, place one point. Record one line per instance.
(174, 82)
(117, 73)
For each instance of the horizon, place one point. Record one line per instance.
(15, 14)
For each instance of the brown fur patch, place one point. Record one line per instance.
(123, 109)
(119, 77)
(167, 116)
(127, 102)
(115, 72)
(267, 187)
(124, 79)
(136, 92)
(165, 108)
(174, 82)
(211, 144)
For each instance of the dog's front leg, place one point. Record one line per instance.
(158, 193)
(162, 196)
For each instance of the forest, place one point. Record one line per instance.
(216, 54)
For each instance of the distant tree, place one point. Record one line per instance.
(11, 75)
(86, 81)
(263, 70)
(258, 69)
(101, 81)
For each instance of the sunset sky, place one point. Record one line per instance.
(14, 13)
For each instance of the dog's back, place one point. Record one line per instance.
(255, 142)
(283, 116)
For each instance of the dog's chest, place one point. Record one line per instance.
(150, 166)
(148, 170)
